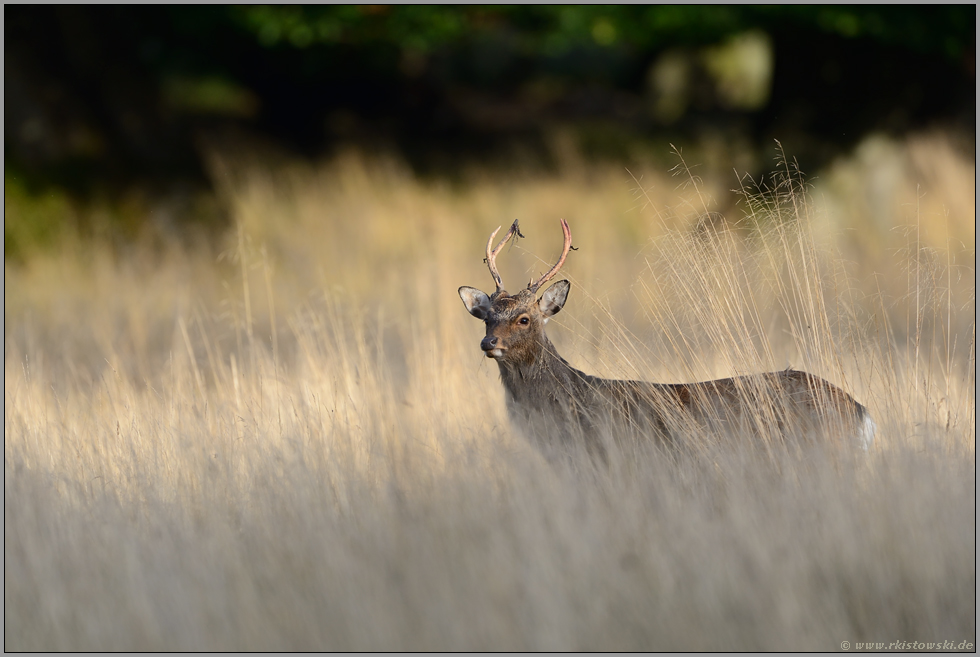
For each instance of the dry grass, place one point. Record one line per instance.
(297, 444)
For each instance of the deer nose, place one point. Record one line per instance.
(489, 343)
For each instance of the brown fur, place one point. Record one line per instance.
(558, 406)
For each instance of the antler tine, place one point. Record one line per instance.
(554, 270)
(492, 255)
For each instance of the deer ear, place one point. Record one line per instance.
(553, 298)
(476, 302)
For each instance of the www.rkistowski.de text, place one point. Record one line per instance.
(907, 645)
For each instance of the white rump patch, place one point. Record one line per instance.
(866, 434)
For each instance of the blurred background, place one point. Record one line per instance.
(113, 113)
(245, 409)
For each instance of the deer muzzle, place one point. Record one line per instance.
(490, 348)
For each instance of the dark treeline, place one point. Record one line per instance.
(102, 97)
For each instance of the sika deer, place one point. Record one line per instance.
(558, 406)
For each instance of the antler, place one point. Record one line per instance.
(492, 255)
(554, 270)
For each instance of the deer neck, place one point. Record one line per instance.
(538, 377)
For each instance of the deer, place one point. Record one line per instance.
(557, 406)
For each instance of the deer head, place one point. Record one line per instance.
(515, 324)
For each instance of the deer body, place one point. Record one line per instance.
(556, 404)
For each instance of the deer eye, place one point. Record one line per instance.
(524, 321)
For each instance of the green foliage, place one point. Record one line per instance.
(555, 29)
(31, 220)
(417, 27)
(209, 95)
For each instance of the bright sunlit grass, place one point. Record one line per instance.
(296, 444)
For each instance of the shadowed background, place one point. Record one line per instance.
(120, 106)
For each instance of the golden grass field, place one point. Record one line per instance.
(291, 440)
